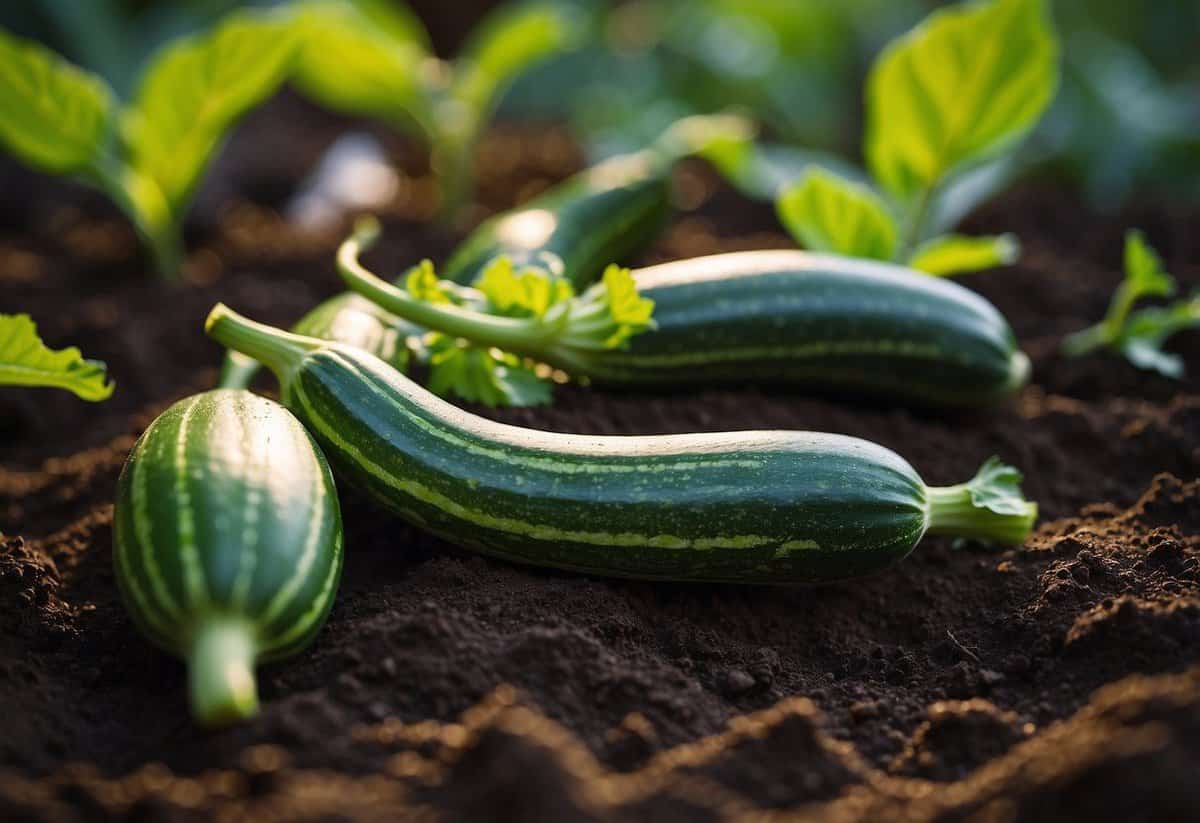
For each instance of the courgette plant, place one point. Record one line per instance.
(26, 361)
(1139, 335)
(148, 153)
(373, 58)
(958, 91)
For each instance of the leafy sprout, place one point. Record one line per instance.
(497, 343)
(149, 153)
(373, 59)
(26, 361)
(959, 90)
(1140, 335)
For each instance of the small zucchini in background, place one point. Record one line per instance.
(747, 507)
(779, 316)
(227, 542)
(604, 214)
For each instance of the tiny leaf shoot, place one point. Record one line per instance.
(149, 155)
(1140, 335)
(954, 93)
(512, 315)
(26, 361)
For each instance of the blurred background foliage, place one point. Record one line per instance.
(1126, 121)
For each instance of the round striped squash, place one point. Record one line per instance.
(227, 541)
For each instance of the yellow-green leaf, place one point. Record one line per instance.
(828, 213)
(423, 283)
(629, 312)
(194, 91)
(960, 254)
(26, 361)
(958, 88)
(527, 293)
(347, 62)
(53, 116)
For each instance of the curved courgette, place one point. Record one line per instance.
(787, 316)
(227, 542)
(751, 507)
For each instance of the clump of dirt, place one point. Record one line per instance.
(447, 686)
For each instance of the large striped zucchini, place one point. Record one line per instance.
(788, 316)
(602, 215)
(227, 541)
(754, 507)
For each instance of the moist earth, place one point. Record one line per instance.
(1058, 680)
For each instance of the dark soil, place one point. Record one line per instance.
(1060, 680)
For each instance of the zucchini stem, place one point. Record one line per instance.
(221, 671)
(989, 507)
(278, 350)
(509, 333)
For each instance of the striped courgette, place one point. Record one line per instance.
(754, 507)
(227, 541)
(787, 316)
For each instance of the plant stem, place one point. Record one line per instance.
(278, 350)
(916, 224)
(221, 671)
(953, 512)
(511, 334)
(144, 205)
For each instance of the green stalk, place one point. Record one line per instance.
(221, 671)
(144, 204)
(278, 350)
(523, 336)
(956, 511)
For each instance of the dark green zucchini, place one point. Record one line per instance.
(227, 541)
(788, 316)
(751, 507)
(602, 215)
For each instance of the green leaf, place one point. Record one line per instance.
(827, 213)
(629, 312)
(961, 87)
(423, 283)
(482, 375)
(26, 361)
(528, 293)
(1149, 329)
(56, 117)
(1144, 274)
(349, 63)
(508, 42)
(194, 91)
(959, 254)
(997, 488)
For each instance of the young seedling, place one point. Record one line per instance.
(523, 310)
(1140, 335)
(959, 90)
(373, 59)
(148, 154)
(26, 361)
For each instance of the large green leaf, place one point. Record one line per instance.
(828, 213)
(957, 89)
(349, 63)
(196, 89)
(54, 116)
(26, 361)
